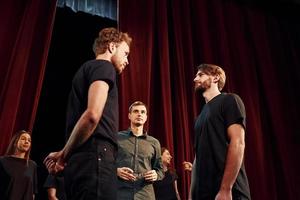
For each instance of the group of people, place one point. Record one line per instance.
(98, 162)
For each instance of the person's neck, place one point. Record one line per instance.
(137, 130)
(211, 93)
(19, 155)
(105, 56)
(165, 168)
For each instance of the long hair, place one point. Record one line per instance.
(11, 150)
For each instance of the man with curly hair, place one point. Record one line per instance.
(88, 158)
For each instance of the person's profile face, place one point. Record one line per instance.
(202, 81)
(166, 157)
(120, 57)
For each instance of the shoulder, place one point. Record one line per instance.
(173, 172)
(103, 64)
(231, 96)
(123, 134)
(153, 140)
(2, 158)
(149, 137)
(33, 163)
(95, 70)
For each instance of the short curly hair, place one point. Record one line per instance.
(108, 35)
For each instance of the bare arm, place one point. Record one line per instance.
(176, 190)
(84, 127)
(88, 121)
(234, 159)
(52, 194)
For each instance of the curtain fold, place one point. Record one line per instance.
(25, 38)
(259, 49)
(102, 8)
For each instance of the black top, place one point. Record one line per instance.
(57, 182)
(165, 189)
(89, 72)
(18, 179)
(211, 143)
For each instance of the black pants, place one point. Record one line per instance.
(91, 172)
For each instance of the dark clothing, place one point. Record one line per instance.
(141, 154)
(94, 70)
(165, 189)
(91, 171)
(211, 144)
(18, 179)
(57, 182)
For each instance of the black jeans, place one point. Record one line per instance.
(91, 172)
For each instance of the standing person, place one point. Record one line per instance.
(218, 170)
(18, 174)
(88, 158)
(166, 189)
(139, 158)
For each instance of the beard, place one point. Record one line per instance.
(203, 86)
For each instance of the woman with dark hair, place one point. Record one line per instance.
(18, 174)
(166, 189)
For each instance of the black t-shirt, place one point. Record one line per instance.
(164, 189)
(18, 179)
(89, 72)
(211, 143)
(57, 182)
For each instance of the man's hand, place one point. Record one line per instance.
(54, 162)
(150, 176)
(187, 166)
(126, 173)
(224, 195)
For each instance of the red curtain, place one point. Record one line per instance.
(259, 48)
(25, 34)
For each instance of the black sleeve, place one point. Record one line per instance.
(175, 175)
(157, 162)
(234, 111)
(104, 72)
(35, 178)
(50, 181)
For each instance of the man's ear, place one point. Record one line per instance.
(111, 47)
(216, 78)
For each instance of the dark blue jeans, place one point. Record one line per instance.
(91, 172)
